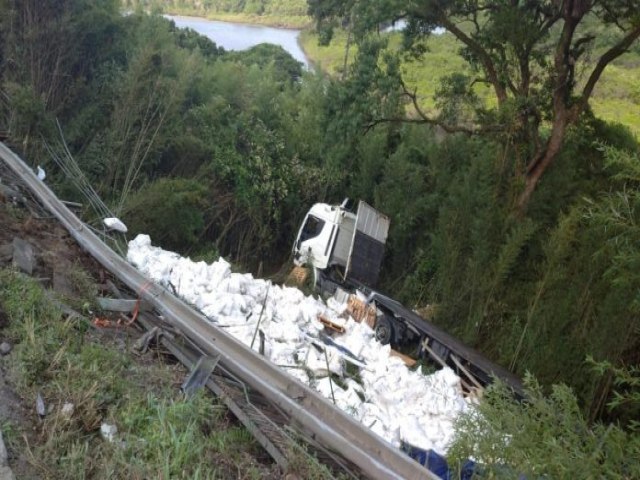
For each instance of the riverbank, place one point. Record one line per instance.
(610, 100)
(290, 22)
(236, 36)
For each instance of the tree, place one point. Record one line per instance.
(45, 43)
(535, 55)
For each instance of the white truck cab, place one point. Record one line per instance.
(332, 236)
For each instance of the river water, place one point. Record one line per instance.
(240, 36)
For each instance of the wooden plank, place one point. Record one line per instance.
(408, 361)
(331, 325)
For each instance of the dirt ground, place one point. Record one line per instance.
(56, 260)
(55, 254)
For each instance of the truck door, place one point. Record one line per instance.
(312, 245)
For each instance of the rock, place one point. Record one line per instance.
(5, 471)
(5, 348)
(24, 257)
(6, 474)
(108, 432)
(6, 253)
(68, 409)
(10, 194)
(61, 283)
(4, 456)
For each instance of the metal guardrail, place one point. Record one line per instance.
(331, 427)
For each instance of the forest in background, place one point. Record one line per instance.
(221, 153)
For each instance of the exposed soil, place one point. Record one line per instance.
(56, 257)
(55, 254)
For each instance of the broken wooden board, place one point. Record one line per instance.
(330, 324)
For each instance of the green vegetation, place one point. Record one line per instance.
(616, 98)
(278, 13)
(545, 437)
(223, 152)
(160, 434)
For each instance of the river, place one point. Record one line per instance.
(240, 36)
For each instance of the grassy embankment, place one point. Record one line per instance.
(160, 433)
(286, 21)
(616, 97)
(276, 13)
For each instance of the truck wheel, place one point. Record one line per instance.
(384, 330)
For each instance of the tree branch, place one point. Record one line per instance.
(426, 119)
(482, 54)
(606, 58)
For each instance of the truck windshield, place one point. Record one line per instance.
(312, 228)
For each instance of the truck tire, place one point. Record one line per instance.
(384, 330)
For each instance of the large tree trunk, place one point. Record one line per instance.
(543, 160)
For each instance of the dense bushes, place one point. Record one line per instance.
(538, 293)
(210, 150)
(545, 437)
(170, 211)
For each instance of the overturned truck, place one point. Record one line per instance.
(344, 250)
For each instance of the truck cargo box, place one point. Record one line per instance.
(367, 246)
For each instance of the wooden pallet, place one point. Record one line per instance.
(361, 312)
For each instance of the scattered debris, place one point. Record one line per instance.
(24, 257)
(142, 344)
(115, 224)
(199, 375)
(408, 361)
(67, 410)
(297, 276)
(331, 324)
(40, 408)
(72, 205)
(5, 348)
(360, 311)
(396, 403)
(108, 432)
(117, 304)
